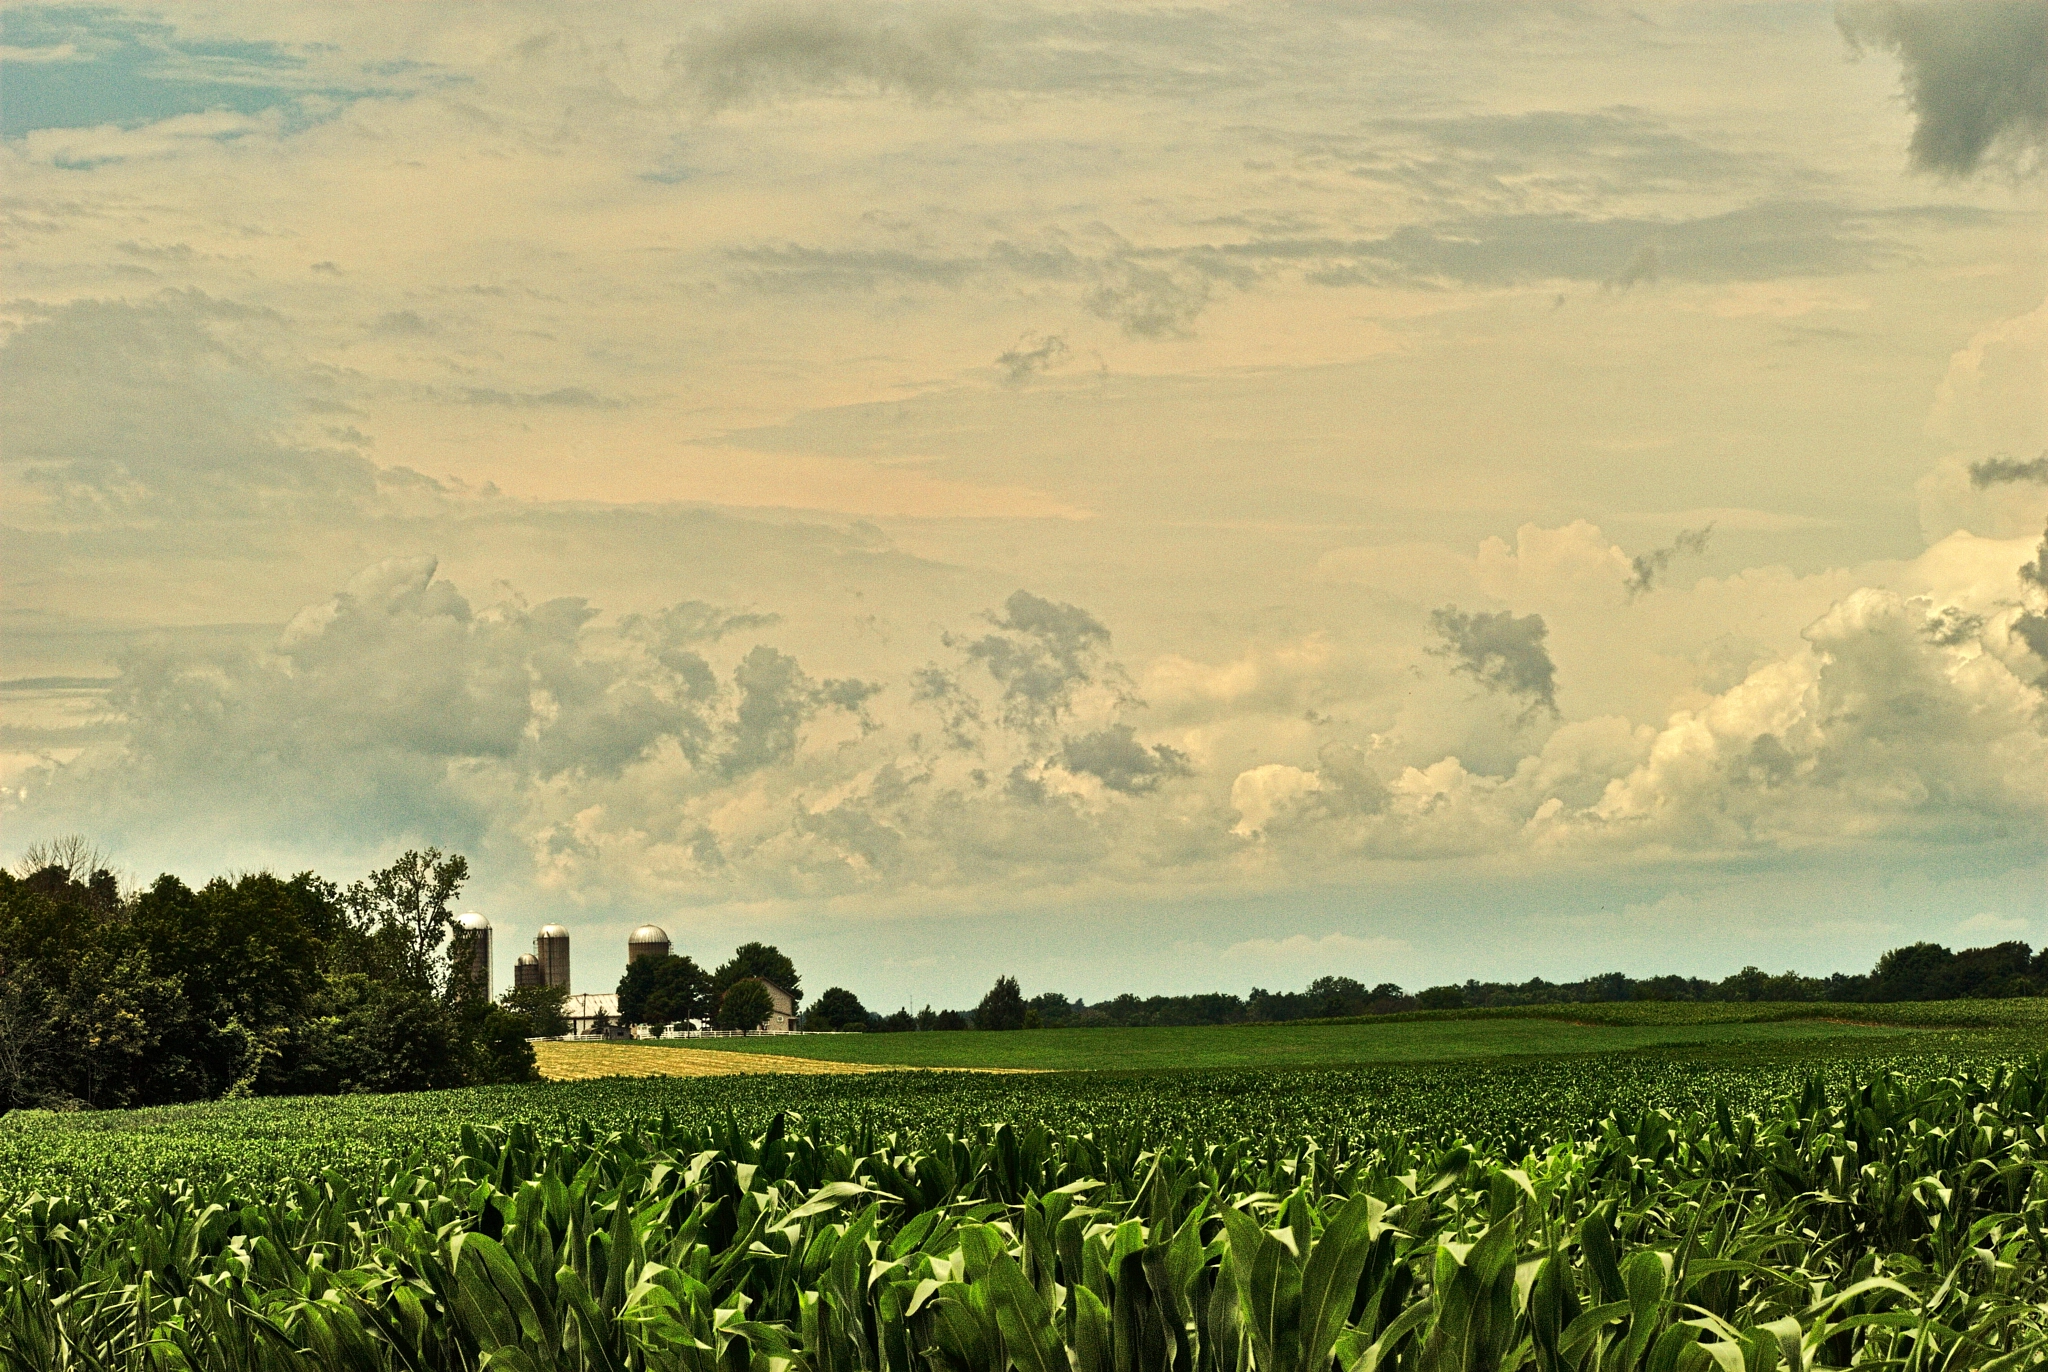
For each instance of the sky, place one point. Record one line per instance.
(1136, 497)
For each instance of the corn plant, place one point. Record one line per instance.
(1895, 1222)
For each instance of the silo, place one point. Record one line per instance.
(647, 941)
(552, 947)
(477, 971)
(525, 971)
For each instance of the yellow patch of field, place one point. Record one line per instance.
(578, 1061)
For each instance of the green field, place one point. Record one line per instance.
(1290, 1045)
(1502, 1079)
(1442, 1036)
(1676, 1196)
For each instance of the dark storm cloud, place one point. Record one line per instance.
(2036, 572)
(958, 710)
(2001, 470)
(1041, 652)
(1951, 626)
(780, 50)
(1031, 356)
(2031, 627)
(1120, 762)
(1148, 301)
(1645, 568)
(776, 700)
(1501, 651)
(1976, 72)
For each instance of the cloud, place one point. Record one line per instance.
(1640, 269)
(124, 410)
(1322, 953)
(378, 708)
(1993, 927)
(2035, 573)
(1042, 652)
(1031, 356)
(1116, 758)
(1149, 302)
(1975, 71)
(1645, 568)
(1502, 651)
(781, 50)
(2002, 470)
(1766, 241)
(776, 700)
(1275, 799)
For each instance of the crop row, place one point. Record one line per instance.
(1505, 1108)
(1896, 1222)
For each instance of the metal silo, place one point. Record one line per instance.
(552, 947)
(477, 969)
(647, 941)
(525, 971)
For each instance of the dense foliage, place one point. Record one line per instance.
(745, 1006)
(761, 961)
(1916, 972)
(838, 1009)
(663, 990)
(1893, 1221)
(255, 985)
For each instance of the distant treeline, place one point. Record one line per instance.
(251, 985)
(1918, 971)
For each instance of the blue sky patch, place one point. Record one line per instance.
(90, 66)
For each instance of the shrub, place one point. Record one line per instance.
(745, 1006)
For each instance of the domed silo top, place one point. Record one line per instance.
(525, 971)
(552, 944)
(478, 969)
(646, 942)
(526, 960)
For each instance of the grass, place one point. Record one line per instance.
(1372, 1042)
(1486, 1075)
(1427, 1036)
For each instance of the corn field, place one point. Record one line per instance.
(1895, 1222)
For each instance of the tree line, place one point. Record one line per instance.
(1916, 971)
(249, 985)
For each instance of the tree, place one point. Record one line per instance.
(601, 1022)
(1335, 997)
(661, 990)
(1914, 972)
(1054, 1009)
(497, 1050)
(1442, 998)
(899, 1023)
(1002, 1007)
(403, 909)
(540, 1007)
(838, 1008)
(762, 960)
(73, 857)
(745, 1006)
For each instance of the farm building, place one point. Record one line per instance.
(782, 1019)
(584, 1010)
